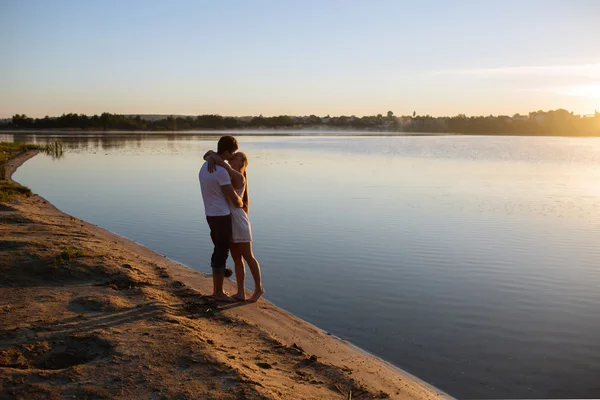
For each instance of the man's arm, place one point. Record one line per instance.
(232, 195)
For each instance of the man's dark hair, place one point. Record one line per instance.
(227, 143)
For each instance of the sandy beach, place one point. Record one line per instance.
(88, 314)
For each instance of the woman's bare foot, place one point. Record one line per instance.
(257, 295)
(239, 296)
(224, 297)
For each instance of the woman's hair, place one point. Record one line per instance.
(245, 197)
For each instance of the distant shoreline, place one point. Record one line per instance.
(558, 122)
(217, 132)
(266, 132)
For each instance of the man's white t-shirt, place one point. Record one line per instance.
(215, 202)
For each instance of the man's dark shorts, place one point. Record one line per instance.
(220, 233)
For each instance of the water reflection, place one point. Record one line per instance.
(71, 142)
(497, 148)
(473, 262)
(55, 149)
(99, 142)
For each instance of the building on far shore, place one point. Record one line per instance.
(404, 121)
(519, 117)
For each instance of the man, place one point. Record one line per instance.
(216, 190)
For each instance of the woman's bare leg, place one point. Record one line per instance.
(240, 271)
(246, 251)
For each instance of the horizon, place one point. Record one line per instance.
(594, 112)
(351, 58)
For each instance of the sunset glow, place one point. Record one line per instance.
(299, 58)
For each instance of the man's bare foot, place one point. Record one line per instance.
(257, 295)
(239, 296)
(224, 297)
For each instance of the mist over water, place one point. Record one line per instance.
(471, 262)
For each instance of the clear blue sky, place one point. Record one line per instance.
(298, 57)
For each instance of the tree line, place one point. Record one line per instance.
(108, 121)
(554, 122)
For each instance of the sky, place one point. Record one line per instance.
(239, 58)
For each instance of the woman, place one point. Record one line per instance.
(241, 245)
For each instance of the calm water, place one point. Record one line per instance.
(471, 262)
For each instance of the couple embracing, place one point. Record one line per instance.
(224, 185)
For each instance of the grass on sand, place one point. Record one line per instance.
(8, 151)
(10, 189)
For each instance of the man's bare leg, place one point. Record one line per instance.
(228, 273)
(219, 294)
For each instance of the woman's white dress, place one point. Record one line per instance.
(240, 223)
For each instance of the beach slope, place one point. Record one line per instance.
(87, 314)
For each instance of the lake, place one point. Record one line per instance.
(472, 262)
